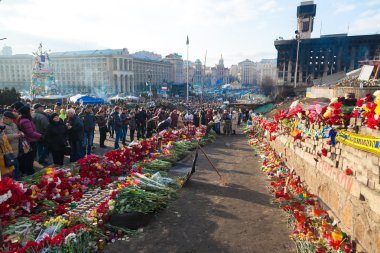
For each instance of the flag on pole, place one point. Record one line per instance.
(187, 40)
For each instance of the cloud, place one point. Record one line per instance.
(366, 22)
(344, 8)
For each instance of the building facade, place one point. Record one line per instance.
(267, 71)
(177, 72)
(16, 71)
(151, 73)
(101, 72)
(219, 73)
(248, 72)
(198, 72)
(320, 57)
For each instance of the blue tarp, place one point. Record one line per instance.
(89, 100)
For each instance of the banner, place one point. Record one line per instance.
(362, 142)
(322, 133)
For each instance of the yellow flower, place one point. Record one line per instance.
(377, 110)
(49, 171)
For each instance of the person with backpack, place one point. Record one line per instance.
(89, 122)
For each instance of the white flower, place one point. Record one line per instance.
(334, 100)
(376, 93)
(5, 196)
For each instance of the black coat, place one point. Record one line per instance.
(56, 138)
(76, 132)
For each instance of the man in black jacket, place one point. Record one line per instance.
(141, 117)
(75, 133)
(89, 122)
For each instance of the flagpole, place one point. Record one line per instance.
(187, 71)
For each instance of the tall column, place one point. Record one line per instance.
(132, 84)
(121, 83)
(128, 84)
(289, 76)
(352, 57)
(115, 83)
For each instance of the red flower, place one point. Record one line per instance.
(324, 152)
(348, 172)
(360, 102)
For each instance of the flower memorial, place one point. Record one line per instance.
(44, 214)
(313, 229)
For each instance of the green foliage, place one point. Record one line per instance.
(9, 96)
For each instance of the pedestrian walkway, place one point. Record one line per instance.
(210, 217)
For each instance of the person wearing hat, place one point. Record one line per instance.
(13, 135)
(56, 139)
(27, 126)
(41, 120)
(5, 148)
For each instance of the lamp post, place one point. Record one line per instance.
(298, 38)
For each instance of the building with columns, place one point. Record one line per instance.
(152, 72)
(16, 71)
(320, 57)
(105, 72)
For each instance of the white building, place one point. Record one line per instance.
(248, 72)
(16, 71)
(267, 70)
(107, 71)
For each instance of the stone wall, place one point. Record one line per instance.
(331, 92)
(352, 200)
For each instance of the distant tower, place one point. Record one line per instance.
(7, 51)
(221, 61)
(305, 18)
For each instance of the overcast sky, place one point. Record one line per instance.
(238, 29)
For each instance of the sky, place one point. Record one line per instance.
(236, 29)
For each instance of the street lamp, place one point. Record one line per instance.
(298, 38)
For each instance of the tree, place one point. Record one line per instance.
(9, 96)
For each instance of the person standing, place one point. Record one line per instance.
(13, 135)
(141, 117)
(41, 121)
(124, 117)
(174, 117)
(27, 126)
(5, 148)
(117, 125)
(132, 126)
(188, 118)
(56, 139)
(75, 134)
(235, 121)
(111, 130)
(102, 124)
(196, 119)
(216, 119)
(62, 115)
(89, 123)
(203, 117)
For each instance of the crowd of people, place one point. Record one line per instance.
(30, 133)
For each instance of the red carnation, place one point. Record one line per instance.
(348, 172)
(360, 102)
(324, 152)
